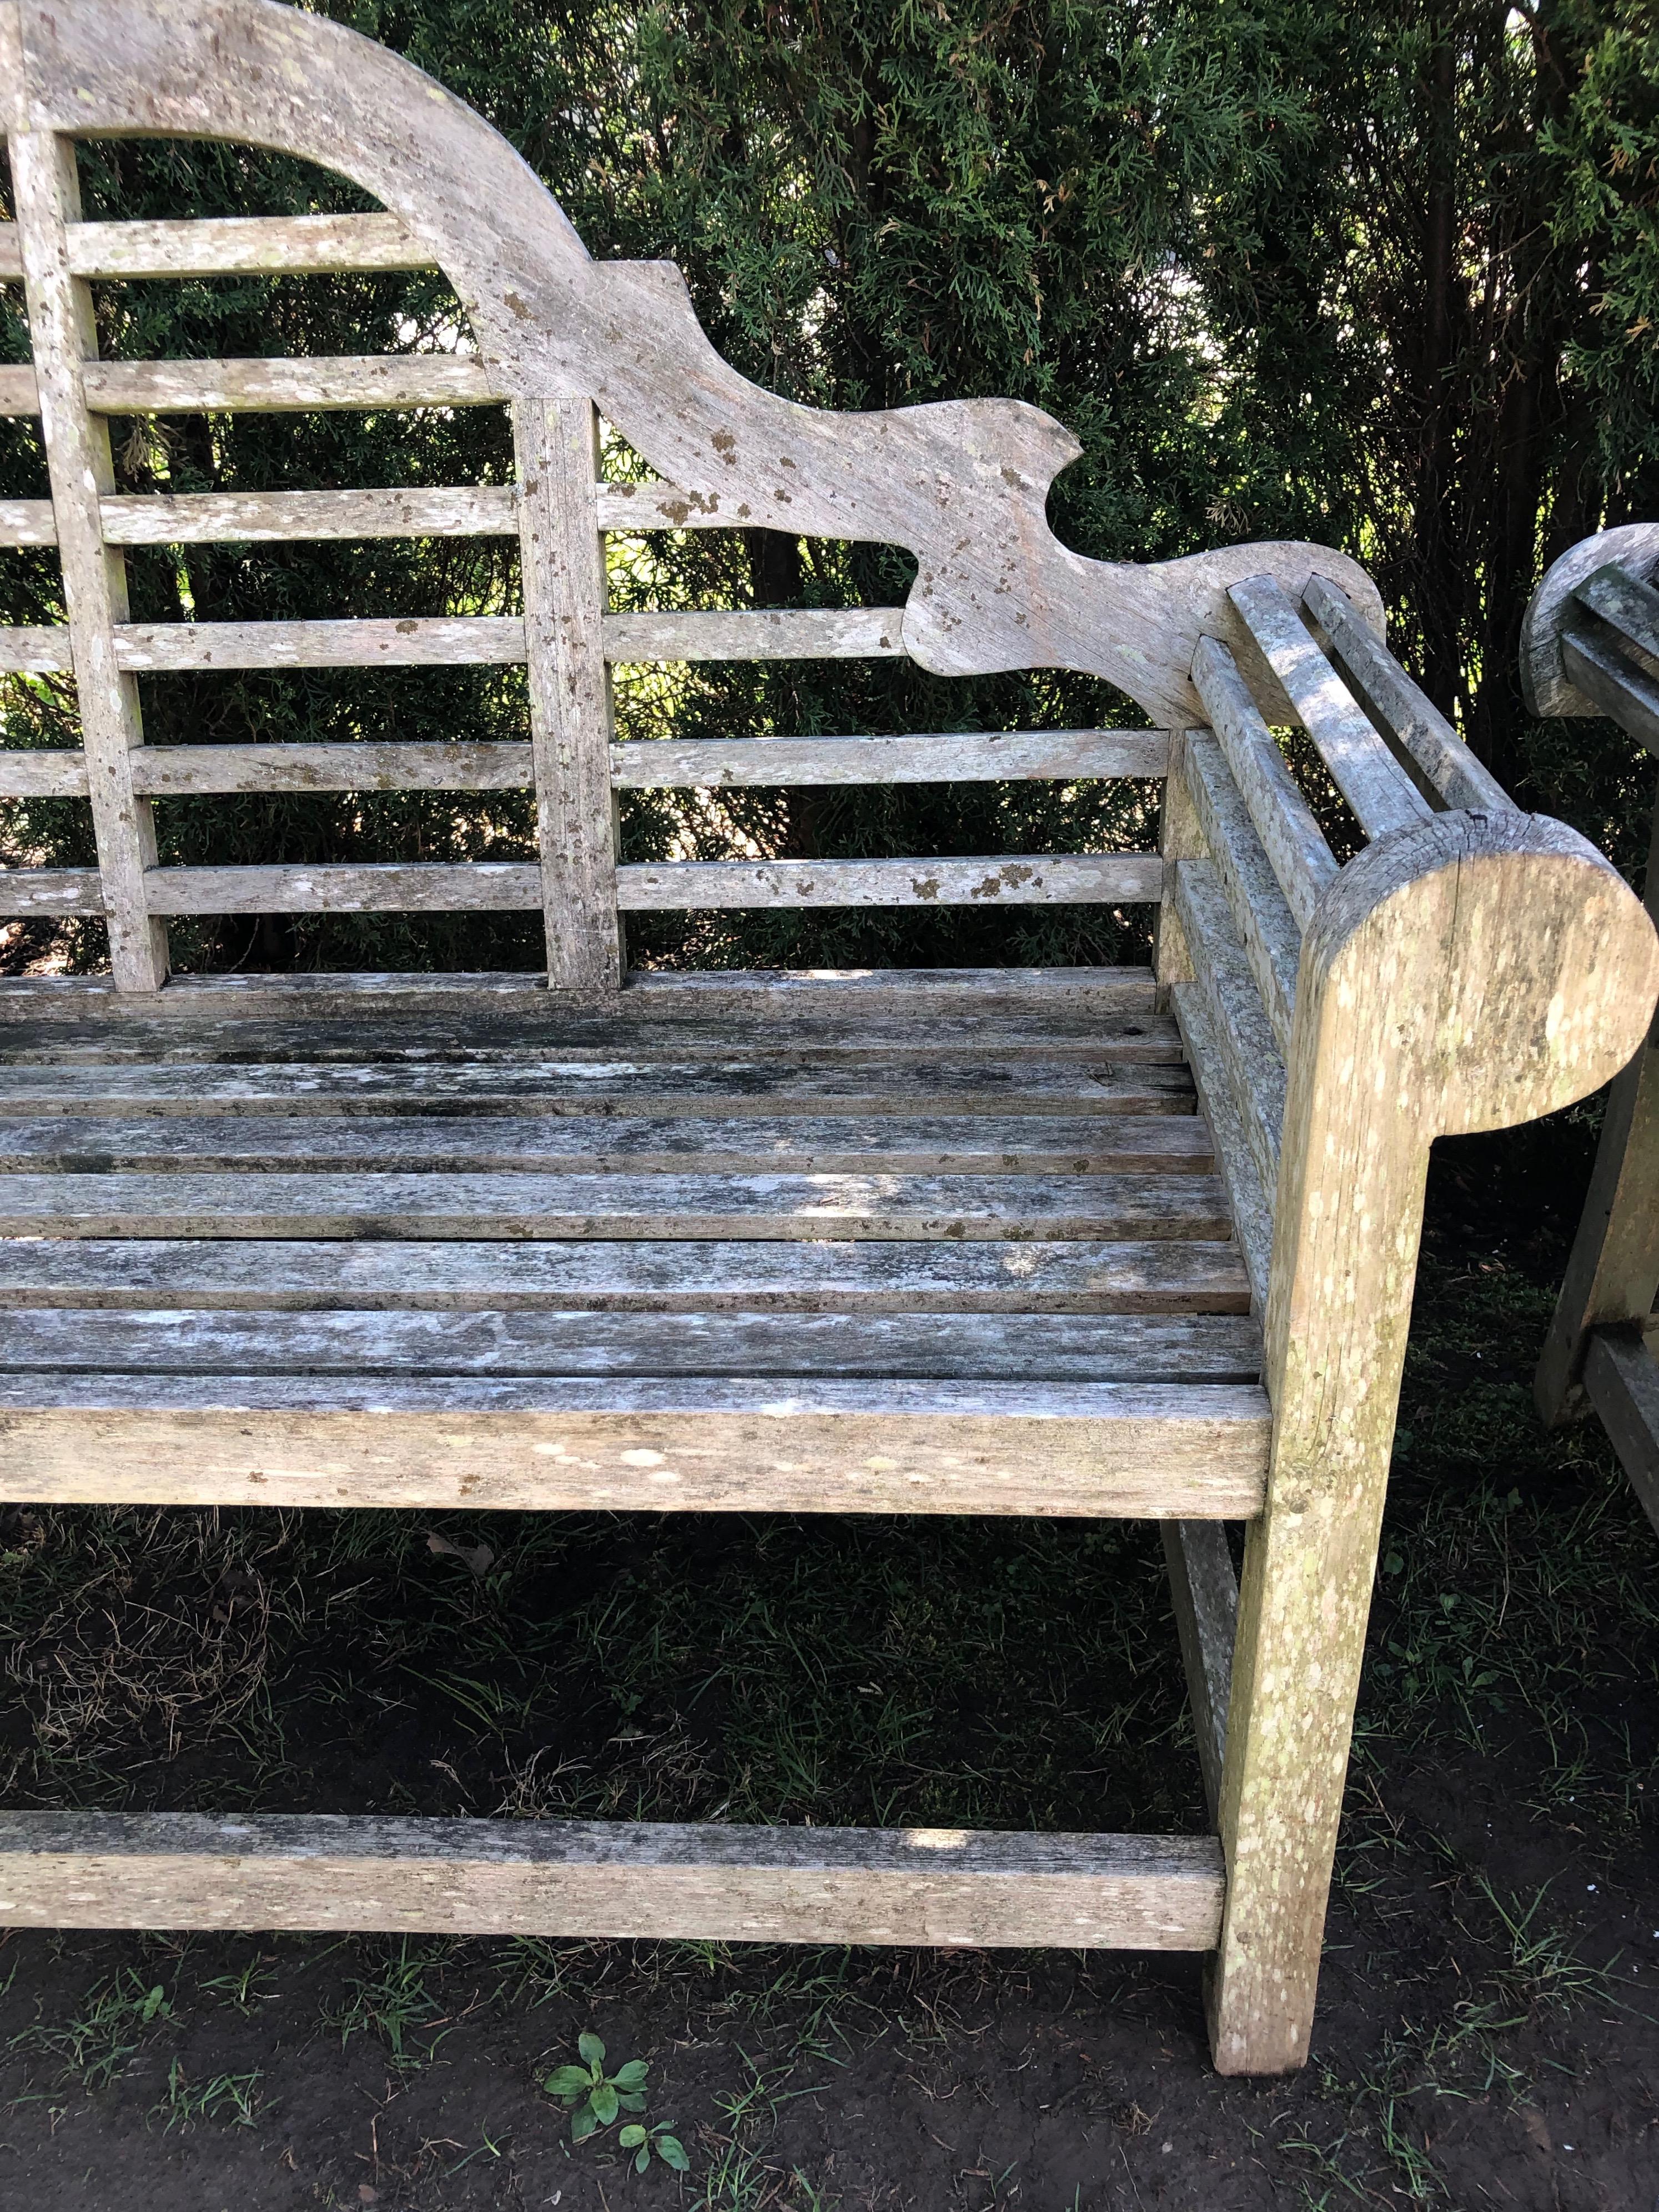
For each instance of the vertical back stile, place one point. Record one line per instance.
(556, 443)
(47, 193)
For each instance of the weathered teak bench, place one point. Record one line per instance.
(1590, 646)
(946, 1243)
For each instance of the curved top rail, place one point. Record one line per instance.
(1545, 684)
(963, 485)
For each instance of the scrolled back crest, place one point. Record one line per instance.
(963, 485)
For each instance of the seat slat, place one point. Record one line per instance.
(572, 1207)
(704, 1882)
(223, 1143)
(612, 1443)
(528, 1039)
(982, 1347)
(579, 1087)
(1173, 1277)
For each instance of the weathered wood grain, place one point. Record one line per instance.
(55, 773)
(1264, 923)
(316, 384)
(1465, 974)
(1204, 1596)
(65, 341)
(222, 517)
(379, 642)
(468, 1144)
(942, 758)
(457, 764)
(1381, 794)
(365, 887)
(51, 890)
(1613, 683)
(879, 1207)
(1293, 840)
(1629, 607)
(1249, 1206)
(611, 1444)
(1237, 1020)
(1621, 1376)
(707, 1882)
(1132, 878)
(970, 1347)
(247, 246)
(1545, 684)
(26, 522)
(26, 650)
(1057, 993)
(1402, 712)
(561, 559)
(1176, 1276)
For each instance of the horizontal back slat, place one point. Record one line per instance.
(236, 245)
(469, 765)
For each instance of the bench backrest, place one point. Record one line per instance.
(961, 485)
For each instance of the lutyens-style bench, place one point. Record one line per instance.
(951, 1242)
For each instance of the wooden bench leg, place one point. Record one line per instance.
(1431, 998)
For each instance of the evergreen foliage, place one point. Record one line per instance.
(1385, 275)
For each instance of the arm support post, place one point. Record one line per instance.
(1463, 974)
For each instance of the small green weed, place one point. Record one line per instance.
(594, 2098)
(396, 2003)
(655, 2137)
(96, 2047)
(230, 2100)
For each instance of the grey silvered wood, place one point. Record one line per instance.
(461, 764)
(1061, 993)
(19, 393)
(1621, 1376)
(51, 890)
(26, 522)
(64, 338)
(1173, 1277)
(1546, 687)
(1628, 605)
(1402, 712)
(1613, 683)
(1237, 1020)
(1265, 924)
(1134, 878)
(226, 1143)
(1612, 1275)
(1381, 794)
(877, 1208)
(434, 640)
(971, 1347)
(34, 651)
(56, 772)
(252, 246)
(1293, 840)
(362, 887)
(940, 758)
(484, 640)
(1248, 1206)
(1204, 1594)
(561, 559)
(217, 518)
(613, 1444)
(275, 385)
(709, 1882)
